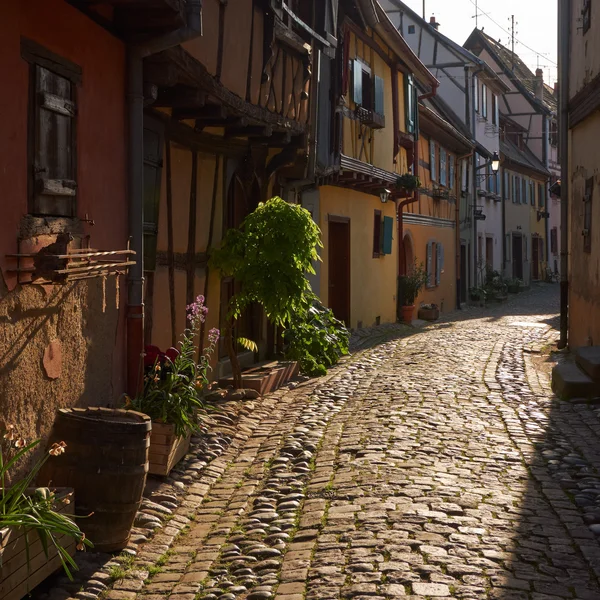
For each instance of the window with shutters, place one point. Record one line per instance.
(52, 132)
(523, 191)
(495, 111)
(506, 190)
(432, 160)
(368, 95)
(587, 214)
(516, 189)
(532, 193)
(451, 171)
(476, 96)
(443, 168)
(541, 195)
(377, 234)
(431, 264)
(439, 262)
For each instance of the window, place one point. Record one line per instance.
(432, 161)
(586, 15)
(541, 195)
(517, 189)
(495, 114)
(524, 191)
(411, 29)
(587, 214)
(451, 171)
(476, 96)
(435, 263)
(553, 133)
(368, 90)
(153, 154)
(532, 193)
(443, 168)
(52, 132)
(554, 240)
(484, 105)
(377, 234)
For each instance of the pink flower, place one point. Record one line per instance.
(197, 310)
(213, 335)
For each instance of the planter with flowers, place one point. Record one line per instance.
(429, 312)
(409, 286)
(172, 394)
(37, 532)
(407, 184)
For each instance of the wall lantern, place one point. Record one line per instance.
(384, 195)
(495, 162)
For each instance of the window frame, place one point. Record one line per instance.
(377, 233)
(414, 30)
(38, 57)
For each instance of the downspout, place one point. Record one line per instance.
(135, 100)
(416, 194)
(458, 188)
(564, 32)
(474, 221)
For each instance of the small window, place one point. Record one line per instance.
(377, 234)
(587, 214)
(432, 160)
(411, 29)
(495, 113)
(476, 97)
(586, 15)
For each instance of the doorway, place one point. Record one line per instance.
(517, 257)
(408, 255)
(489, 253)
(339, 268)
(535, 258)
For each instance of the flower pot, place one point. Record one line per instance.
(166, 448)
(407, 313)
(429, 314)
(16, 577)
(514, 289)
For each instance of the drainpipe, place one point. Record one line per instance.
(135, 99)
(564, 32)
(473, 129)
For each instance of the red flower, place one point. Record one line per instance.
(172, 353)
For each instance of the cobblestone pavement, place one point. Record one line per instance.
(432, 465)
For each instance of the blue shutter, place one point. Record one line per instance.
(432, 161)
(357, 94)
(506, 191)
(443, 172)
(439, 263)
(388, 234)
(379, 105)
(429, 261)
(451, 175)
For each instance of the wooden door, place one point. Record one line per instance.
(463, 273)
(489, 252)
(517, 257)
(339, 268)
(535, 259)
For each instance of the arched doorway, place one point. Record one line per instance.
(408, 254)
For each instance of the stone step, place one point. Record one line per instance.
(588, 359)
(569, 381)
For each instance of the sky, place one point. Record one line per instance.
(535, 26)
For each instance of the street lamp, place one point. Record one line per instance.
(384, 195)
(495, 162)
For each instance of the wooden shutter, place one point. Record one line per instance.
(523, 191)
(439, 263)
(443, 172)
(409, 91)
(328, 25)
(429, 262)
(152, 182)
(506, 190)
(357, 91)
(515, 189)
(379, 94)
(451, 170)
(388, 234)
(54, 150)
(432, 161)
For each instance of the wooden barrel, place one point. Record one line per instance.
(106, 461)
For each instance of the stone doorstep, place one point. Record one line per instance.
(588, 359)
(569, 381)
(265, 377)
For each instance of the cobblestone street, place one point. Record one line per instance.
(433, 465)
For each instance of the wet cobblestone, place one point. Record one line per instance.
(433, 463)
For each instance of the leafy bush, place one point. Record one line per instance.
(408, 181)
(315, 338)
(174, 379)
(412, 283)
(35, 510)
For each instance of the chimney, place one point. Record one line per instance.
(433, 22)
(538, 86)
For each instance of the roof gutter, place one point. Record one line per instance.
(135, 101)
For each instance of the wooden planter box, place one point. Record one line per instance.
(429, 314)
(17, 579)
(166, 449)
(265, 377)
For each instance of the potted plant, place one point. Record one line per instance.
(514, 285)
(429, 312)
(37, 532)
(409, 287)
(173, 383)
(408, 183)
(478, 295)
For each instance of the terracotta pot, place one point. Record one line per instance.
(429, 314)
(407, 313)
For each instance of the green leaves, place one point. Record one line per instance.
(315, 338)
(269, 256)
